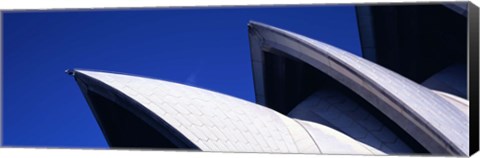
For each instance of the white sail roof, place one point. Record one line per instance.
(218, 122)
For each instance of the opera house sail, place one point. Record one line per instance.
(311, 97)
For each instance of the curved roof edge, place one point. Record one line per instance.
(114, 135)
(434, 122)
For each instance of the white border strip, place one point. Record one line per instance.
(82, 153)
(109, 4)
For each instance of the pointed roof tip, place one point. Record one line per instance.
(253, 22)
(70, 72)
(256, 24)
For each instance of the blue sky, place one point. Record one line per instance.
(203, 47)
